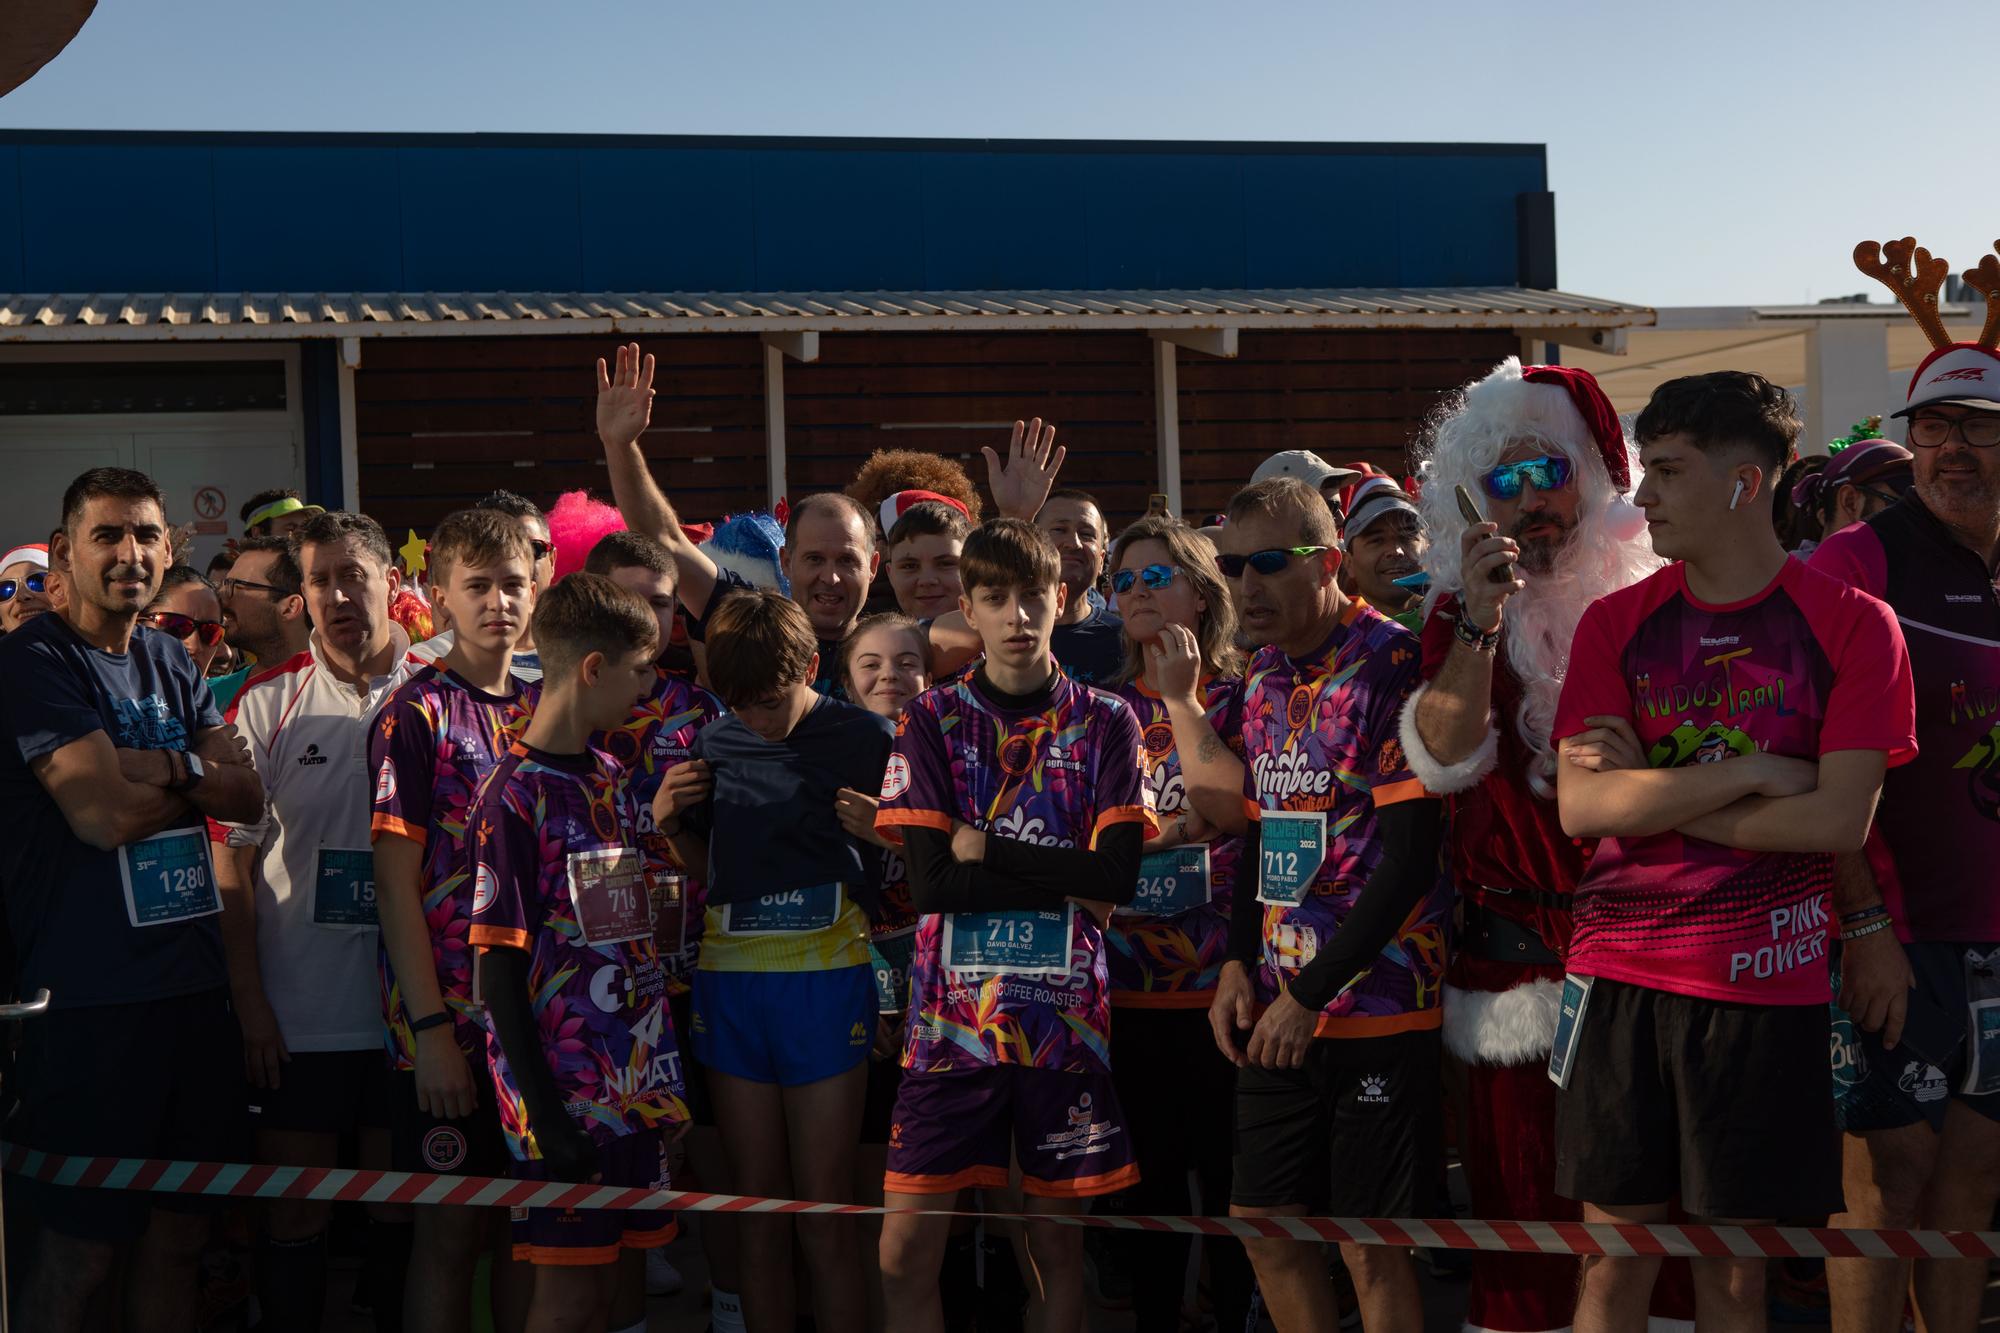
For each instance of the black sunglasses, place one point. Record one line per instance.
(543, 550)
(1264, 562)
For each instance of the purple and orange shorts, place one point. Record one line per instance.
(957, 1128)
(575, 1237)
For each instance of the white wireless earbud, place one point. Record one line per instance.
(1738, 495)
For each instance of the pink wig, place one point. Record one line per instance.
(576, 524)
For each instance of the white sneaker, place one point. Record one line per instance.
(662, 1278)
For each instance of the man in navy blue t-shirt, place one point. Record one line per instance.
(118, 757)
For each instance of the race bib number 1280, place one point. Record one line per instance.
(168, 877)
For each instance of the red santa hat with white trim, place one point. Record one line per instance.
(33, 553)
(1962, 373)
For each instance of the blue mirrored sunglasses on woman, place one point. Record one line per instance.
(1155, 577)
(1266, 562)
(1548, 473)
(35, 582)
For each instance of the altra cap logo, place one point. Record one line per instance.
(1976, 374)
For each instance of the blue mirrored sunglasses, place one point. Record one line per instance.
(1548, 473)
(1155, 577)
(36, 582)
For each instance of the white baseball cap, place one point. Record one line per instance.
(1964, 374)
(1371, 500)
(1304, 464)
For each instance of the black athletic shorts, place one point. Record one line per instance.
(471, 1145)
(1357, 1132)
(160, 1079)
(1728, 1106)
(878, 1105)
(1874, 1088)
(701, 1109)
(326, 1092)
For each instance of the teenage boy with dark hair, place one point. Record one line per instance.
(582, 1052)
(784, 998)
(1018, 797)
(1725, 726)
(434, 742)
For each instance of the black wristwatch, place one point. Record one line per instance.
(429, 1021)
(191, 762)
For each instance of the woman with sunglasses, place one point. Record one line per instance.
(1182, 676)
(24, 586)
(188, 609)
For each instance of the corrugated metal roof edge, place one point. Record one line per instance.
(151, 317)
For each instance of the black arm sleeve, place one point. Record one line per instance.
(1007, 880)
(1246, 914)
(1410, 832)
(503, 982)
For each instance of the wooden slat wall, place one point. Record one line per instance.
(518, 412)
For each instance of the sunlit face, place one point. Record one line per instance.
(656, 590)
(347, 589)
(1685, 494)
(611, 686)
(254, 613)
(1287, 607)
(830, 563)
(284, 525)
(773, 716)
(1147, 610)
(923, 571)
(1958, 483)
(885, 669)
(116, 554)
(489, 604)
(26, 603)
(1014, 624)
(190, 602)
(1077, 530)
(1390, 548)
(1541, 521)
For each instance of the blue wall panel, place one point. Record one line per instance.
(96, 212)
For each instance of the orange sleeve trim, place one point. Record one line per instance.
(1083, 1187)
(1386, 1025)
(650, 1240)
(557, 1256)
(890, 823)
(1251, 810)
(1394, 793)
(499, 937)
(972, 1177)
(401, 828)
(1124, 814)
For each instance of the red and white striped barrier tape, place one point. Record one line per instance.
(1684, 1239)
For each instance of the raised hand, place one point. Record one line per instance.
(1481, 550)
(624, 396)
(1176, 661)
(1024, 481)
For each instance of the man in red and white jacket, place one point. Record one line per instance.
(1541, 451)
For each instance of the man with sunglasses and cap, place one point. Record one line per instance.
(1314, 471)
(1339, 930)
(24, 585)
(1383, 540)
(1542, 455)
(1920, 1105)
(276, 513)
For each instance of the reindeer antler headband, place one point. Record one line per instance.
(1916, 277)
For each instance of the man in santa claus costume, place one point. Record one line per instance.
(1542, 454)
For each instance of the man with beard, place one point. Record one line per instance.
(1542, 451)
(1384, 541)
(263, 613)
(1922, 1142)
(1089, 639)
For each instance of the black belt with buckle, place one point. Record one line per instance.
(1501, 939)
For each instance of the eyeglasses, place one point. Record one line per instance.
(180, 626)
(229, 585)
(1548, 473)
(35, 582)
(1978, 432)
(1155, 577)
(1264, 562)
(543, 550)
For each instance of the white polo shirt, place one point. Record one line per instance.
(314, 873)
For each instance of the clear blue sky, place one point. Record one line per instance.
(1702, 153)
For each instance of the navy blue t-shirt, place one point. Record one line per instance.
(770, 821)
(1092, 650)
(66, 899)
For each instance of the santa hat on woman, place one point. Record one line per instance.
(33, 553)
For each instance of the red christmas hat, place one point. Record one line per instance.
(1598, 415)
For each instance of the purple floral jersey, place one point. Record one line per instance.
(654, 741)
(1019, 987)
(557, 873)
(431, 746)
(1168, 947)
(1321, 756)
